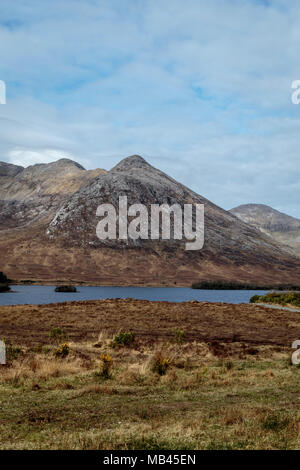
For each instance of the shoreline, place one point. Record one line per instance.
(288, 307)
(210, 285)
(88, 284)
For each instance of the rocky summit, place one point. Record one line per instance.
(34, 193)
(55, 237)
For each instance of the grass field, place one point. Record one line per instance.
(210, 394)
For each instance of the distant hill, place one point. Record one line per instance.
(280, 226)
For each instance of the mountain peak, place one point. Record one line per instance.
(61, 164)
(10, 170)
(282, 227)
(134, 161)
(64, 162)
(266, 213)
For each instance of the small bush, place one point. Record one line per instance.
(4, 281)
(62, 351)
(65, 289)
(106, 365)
(3, 278)
(275, 423)
(124, 338)
(58, 334)
(160, 363)
(178, 335)
(228, 365)
(254, 299)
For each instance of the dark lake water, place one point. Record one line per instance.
(45, 294)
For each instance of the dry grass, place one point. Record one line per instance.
(204, 401)
(216, 394)
(39, 368)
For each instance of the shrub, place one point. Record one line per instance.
(4, 287)
(292, 298)
(62, 351)
(275, 423)
(3, 278)
(232, 285)
(254, 299)
(58, 334)
(160, 363)
(178, 335)
(65, 289)
(228, 365)
(106, 365)
(124, 338)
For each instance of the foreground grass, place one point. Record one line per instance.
(247, 401)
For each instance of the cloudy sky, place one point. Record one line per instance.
(200, 88)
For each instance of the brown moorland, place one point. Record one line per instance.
(226, 379)
(152, 321)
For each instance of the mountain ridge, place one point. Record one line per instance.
(281, 227)
(61, 243)
(35, 192)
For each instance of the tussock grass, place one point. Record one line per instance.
(202, 401)
(39, 367)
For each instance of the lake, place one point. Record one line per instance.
(27, 294)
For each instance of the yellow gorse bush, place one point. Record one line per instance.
(106, 364)
(160, 363)
(62, 351)
(106, 358)
(166, 362)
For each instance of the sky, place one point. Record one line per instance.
(200, 88)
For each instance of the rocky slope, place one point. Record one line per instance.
(280, 226)
(76, 221)
(34, 193)
(63, 245)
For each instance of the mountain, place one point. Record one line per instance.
(33, 193)
(7, 170)
(61, 243)
(282, 227)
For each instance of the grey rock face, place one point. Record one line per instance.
(225, 235)
(33, 193)
(9, 170)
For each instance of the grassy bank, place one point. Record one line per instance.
(287, 299)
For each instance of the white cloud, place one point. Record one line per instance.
(26, 158)
(203, 89)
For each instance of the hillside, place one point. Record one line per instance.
(30, 194)
(282, 227)
(59, 239)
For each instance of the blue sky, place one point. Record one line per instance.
(201, 89)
